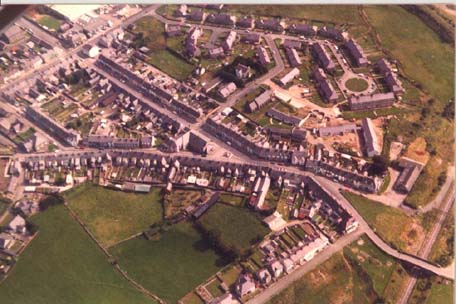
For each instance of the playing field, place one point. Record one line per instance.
(63, 265)
(113, 215)
(237, 227)
(171, 266)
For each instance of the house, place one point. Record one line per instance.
(372, 101)
(17, 225)
(357, 53)
(251, 38)
(263, 56)
(264, 276)
(289, 77)
(394, 84)
(191, 42)
(223, 19)
(333, 33)
(242, 71)
(370, 138)
(181, 11)
(292, 44)
(384, 67)
(308, 252)
(216, 52)
(12, 34)
(260, 101)
(263, 187)
(245, 285)
(293, 57)
(227, 298)
(196, 15)
(6, 241)
(285, 118)
(227, 90)
(410, 172)
(269, 25)
(337, 130)
(246, 22)
(303, 29)
(287, 265)
(324, 86)
(275, 221)
(322, 57)
(229, 41)
(276, 268)
(172, 30)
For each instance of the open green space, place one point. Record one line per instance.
(50, 22)
(442, 251)
(63, 265)
(391, 224)
(235, 228)
(171, 266)
(171, 64)
(356, 84)
(374, 113)
(430, 289)
(113, 215)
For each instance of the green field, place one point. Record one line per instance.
(236, 227)
(171, 64)
(112, 215)
(391, 224)
(63, 265)
(356, 84)
(50, 22)
(171, 266)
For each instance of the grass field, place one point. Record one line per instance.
(392, 225)
(237, 227)
(50, 22)
(442, 251)
(63, 265)
(171, 64)
(113, 215)
(356, 84)
(171, 266)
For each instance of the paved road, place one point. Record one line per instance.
(287, 280)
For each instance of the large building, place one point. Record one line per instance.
(391, 79)
(303, 29)
(356, 53)
(229, 41)
(259, 101)
(373, 101)
(409, 174)
(263, 56)
(322, 57)
(370, 138)
(70, 136)
(289, 77)
(293, 57)
(324, 86)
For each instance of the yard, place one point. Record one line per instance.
(63, 265)
(171, 266)
(112, 215)
(395, 227)
(236, 227)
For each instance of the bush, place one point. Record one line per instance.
(50, 200)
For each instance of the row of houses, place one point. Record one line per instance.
(288, 119)
(260, 101)
(112, 142)
(322, 57)
(271, 24)
(148, 89)
(357, 53)
(68, 136)
(391, 79)
(371, 101)
(324, 86)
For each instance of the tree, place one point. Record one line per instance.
(379, 165)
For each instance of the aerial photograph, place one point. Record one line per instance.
(227, 153)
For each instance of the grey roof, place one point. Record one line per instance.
(356, 52)
(290, 43)
(331, 32)
(251, 38)
(289, 76)
(293, 57)
(370, 138)
(337, 130)
(303, 29)
(323, 57)
(229, 41)
(285, 118)
(263, 55)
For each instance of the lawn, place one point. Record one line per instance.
(171, 266)
(236, 227)
(63, 265)
(112, 215)
(391, 224)
(171, 64)
(356, 84)
(50, 22)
